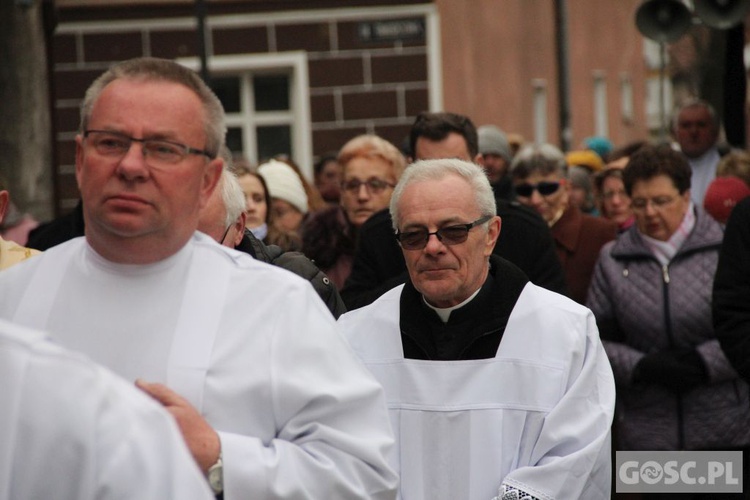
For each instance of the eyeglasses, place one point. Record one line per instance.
(545, 188)
(608, 195)
(224, 236)
(449, 235)
(116, 145)
(373, 185)
(658, 203)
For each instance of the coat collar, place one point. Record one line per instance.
(567, 230)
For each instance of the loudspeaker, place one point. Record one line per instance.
(663, 20)
(721, 14)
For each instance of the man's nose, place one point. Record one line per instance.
(133, 163)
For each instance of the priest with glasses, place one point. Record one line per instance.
(495, 386)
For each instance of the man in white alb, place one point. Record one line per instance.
(268, 396)
(495, 386)
(72, 430)
(696, 129)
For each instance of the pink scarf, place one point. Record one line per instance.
(664, 251)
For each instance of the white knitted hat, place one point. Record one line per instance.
(284, 183)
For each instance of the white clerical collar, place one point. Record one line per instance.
(445, 312)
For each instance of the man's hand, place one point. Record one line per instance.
(201, 438)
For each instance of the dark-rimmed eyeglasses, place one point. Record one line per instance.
(116, 145)
(373, 185)
(416, 239)
(545, 188)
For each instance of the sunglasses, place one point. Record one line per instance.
(544, 188)
(449, 235)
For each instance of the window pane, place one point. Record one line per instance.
(227, 89)
(274, 141)
(234, 141)
(271, 92)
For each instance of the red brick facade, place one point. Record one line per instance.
(356, 85)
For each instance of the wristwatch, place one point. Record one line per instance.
(216, 476)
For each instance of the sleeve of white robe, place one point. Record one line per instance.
(571, 455)
(71, 430)
(333, 431)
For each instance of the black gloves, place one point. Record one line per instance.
(679, 370)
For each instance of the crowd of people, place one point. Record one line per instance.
(487, 318)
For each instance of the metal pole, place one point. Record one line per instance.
(662, 92)
(200, 15)
(563, 79)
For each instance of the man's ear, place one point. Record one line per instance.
(479, 160)
(239, 226)
(493, 233)
(4, 200)
(211, 177)
(79, 158)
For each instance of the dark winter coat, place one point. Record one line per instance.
(297, 263)
(731, 302)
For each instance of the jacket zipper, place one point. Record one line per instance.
(668, 328)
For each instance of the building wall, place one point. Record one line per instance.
(490, 59)
(356, 84)
(496, 52)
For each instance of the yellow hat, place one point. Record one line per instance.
(585, 158)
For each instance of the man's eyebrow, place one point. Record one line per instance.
(162, 136)
(443, 223)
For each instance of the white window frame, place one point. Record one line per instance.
(297, 117)
(626, 95)
(601, 111)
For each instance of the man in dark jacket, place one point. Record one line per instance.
(59, 230)
(525, 239)
(731, 306)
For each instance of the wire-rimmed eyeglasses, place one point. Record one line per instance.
(373, 185)
(116, 145)
(659, 203)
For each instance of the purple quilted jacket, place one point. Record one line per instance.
(644, 307)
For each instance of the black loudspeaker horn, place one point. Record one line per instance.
(721, 14)
(663, 20)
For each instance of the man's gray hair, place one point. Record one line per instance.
(154, 69)
(541, 159)
(695, 103)
(435, 170)
(232, 196)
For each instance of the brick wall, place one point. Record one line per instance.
(357, 85)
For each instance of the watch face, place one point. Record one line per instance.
(216, 478)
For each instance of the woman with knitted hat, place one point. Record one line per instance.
(288, 197)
